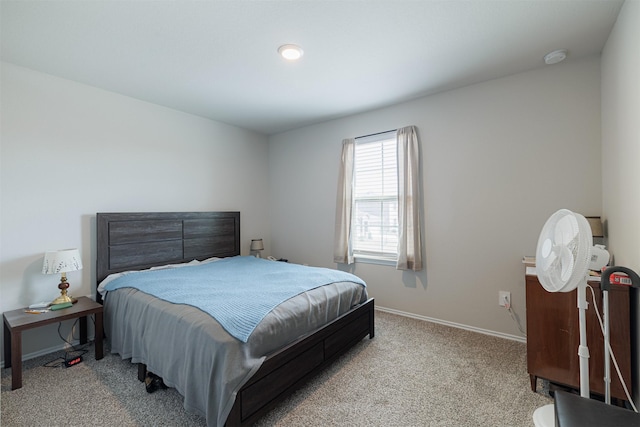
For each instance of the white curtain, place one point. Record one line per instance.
(409, 202)
(342, 252)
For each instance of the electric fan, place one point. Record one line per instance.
(562, 265)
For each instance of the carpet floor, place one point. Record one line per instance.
(413, 373)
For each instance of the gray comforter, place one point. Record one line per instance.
(194, 354)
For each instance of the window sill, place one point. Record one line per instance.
(375, 260)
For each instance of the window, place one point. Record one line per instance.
(375, 197)
(378, 203)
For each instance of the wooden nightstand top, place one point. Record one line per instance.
(19, 320)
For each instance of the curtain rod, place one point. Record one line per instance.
(377, 133)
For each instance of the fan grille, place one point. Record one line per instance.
(564, 251)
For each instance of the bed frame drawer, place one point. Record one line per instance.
(278, 381)
(353, 332)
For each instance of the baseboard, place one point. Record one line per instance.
(453, 324)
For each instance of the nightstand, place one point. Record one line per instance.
(16, 321)
(553, 337)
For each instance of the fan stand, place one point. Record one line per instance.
(583, 350)
(545, 415)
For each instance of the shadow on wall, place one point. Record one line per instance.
(411, 279)
(348, 268)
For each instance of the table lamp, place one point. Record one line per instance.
(256, 246)
(60, 262)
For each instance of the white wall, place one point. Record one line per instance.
(621, 146)
(498, 159)
(70, 150)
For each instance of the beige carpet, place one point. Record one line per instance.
(413, 373)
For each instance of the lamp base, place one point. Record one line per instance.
(62, 299)
(63, 286)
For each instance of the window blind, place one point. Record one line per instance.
(375, 196)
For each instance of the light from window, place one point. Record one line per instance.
(375, 197)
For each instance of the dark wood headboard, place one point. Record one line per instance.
(139, 240)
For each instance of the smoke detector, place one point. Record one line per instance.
(555, 56)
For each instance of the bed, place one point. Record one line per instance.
(278, 364)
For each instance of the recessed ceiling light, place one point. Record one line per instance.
(555, 56)
(290, 52)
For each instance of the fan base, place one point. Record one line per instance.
(545, 416)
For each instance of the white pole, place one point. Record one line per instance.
(607, 363)
(583, 350)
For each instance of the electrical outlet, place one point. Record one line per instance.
(504, 298)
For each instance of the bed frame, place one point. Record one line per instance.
(133, 241)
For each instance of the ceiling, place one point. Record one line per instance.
(218, 59)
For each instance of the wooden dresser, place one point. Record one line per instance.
(553, 337)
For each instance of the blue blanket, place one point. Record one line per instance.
(238, 292)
